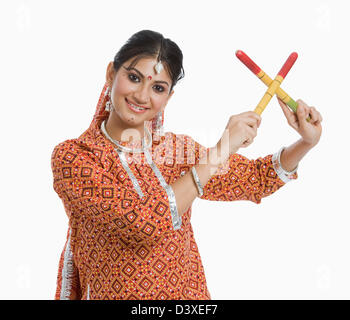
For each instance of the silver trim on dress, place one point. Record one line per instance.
(88, 293)
(177, 221)
(131, 175)
(284, 175)
(67, 271)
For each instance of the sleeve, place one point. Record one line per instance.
(240, 178)
(83, 184)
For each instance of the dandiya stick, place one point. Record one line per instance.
(252, 66)
(276, 83)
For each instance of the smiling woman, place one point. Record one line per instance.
(138, 93)
(141, 78)
(129, 203)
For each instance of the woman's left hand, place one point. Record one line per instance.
(309, 131)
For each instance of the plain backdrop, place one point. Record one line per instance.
(54, 55)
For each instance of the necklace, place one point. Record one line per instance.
(126, 149)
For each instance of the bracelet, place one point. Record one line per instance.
(285, 175)
(197, 181)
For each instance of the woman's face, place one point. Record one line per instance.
(141, 86)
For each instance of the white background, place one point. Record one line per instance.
(54, 55)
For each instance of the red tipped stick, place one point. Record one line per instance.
(250, 64)
(288, 64)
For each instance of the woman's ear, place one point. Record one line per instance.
(110, 73)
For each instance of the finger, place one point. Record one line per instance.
(251, 133)
(251, 122)
(250, 119)
(249, 136)
(314, 115)
(291, 117)
(307, 108)
(302, 114)
(285, 108)
(253, 115)
(289, 114)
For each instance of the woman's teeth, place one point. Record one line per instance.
(136, 107)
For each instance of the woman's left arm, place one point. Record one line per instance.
(310, 133)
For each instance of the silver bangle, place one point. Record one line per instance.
(197, 181)
(285, 175)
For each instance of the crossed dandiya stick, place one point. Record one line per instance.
(273, 85)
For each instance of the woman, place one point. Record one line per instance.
(127, 187)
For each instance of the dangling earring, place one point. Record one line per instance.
(158, 125)
(109, 105)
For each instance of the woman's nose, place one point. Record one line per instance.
(142, 95)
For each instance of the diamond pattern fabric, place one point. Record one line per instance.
(122, 246)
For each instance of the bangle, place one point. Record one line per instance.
(197, 181)
(285, 175)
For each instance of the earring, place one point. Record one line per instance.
(158, 125)
(108, 106)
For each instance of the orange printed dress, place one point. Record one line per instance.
(125, 239)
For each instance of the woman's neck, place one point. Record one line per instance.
(122, 134)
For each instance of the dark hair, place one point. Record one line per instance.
(148, 43)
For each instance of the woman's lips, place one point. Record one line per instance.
(134, 109)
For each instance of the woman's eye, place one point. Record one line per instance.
(133, 76)
(159, 88)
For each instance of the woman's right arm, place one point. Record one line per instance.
(86, 188)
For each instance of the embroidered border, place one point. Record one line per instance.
(131, 175)
(67, 271)
(171, 196)
(284, 175)
(88, 293)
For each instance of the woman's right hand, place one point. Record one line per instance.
(240, 132)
